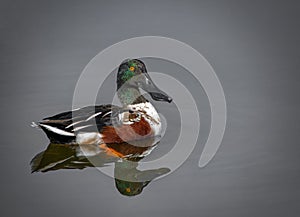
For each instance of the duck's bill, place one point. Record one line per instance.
(154, 91)
(160, 96)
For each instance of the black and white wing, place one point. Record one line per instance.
(63, 127)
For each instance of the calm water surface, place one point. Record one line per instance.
(253, 47)
(242, 170)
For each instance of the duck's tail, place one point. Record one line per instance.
(55, 134)
(34, 125)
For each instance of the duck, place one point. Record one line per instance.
(135, 120)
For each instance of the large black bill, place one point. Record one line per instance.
(160, 96)
(155, 92)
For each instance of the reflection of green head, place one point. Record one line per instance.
(130, 188)
(130, 181)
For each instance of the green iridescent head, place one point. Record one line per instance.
(128, 69)
(132, 75)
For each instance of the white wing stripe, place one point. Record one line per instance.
(77, 122)
(94, 115)
(58, 131)
(79, 128)
(107, 113)
(74, 123)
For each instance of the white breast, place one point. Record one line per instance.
(150, 114)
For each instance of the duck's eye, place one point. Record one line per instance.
(131, 68)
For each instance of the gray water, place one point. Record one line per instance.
(254, 49)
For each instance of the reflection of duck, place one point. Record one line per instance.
(128, 179)
(136, 120)
(127, 170)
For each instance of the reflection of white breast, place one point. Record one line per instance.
(150, 114)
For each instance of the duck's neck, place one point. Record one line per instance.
(130, 96)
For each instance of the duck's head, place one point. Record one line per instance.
(132, 75)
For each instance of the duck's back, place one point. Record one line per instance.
(63, 127)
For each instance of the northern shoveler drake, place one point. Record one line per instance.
(135, 120)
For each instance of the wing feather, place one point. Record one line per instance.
(89, 119)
